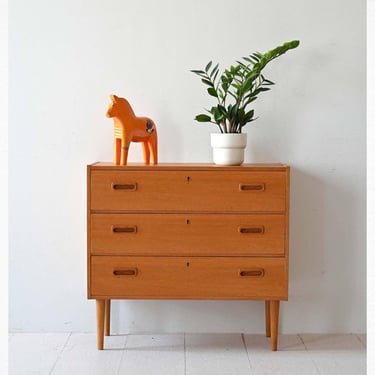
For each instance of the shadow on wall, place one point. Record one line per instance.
(325, 271)
(173, 316)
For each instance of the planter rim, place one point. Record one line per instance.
(228, 140)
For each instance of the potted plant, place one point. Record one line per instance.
(235, 89)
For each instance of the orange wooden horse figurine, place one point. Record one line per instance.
(130, 128)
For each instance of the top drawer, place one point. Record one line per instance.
(187, 190)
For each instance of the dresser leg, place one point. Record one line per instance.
(107, 317)
(274, 313)
(100, 312)
(267, 315)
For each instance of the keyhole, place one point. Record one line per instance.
(187, 221)
(187, 264)
(188, 179)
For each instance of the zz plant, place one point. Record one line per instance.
(237, 87)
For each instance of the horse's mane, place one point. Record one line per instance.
(123, 104)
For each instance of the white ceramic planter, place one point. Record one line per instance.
(228, 148)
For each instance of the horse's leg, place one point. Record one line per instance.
(153, 145)
(124, 151)
(117, 150)
(146, 152)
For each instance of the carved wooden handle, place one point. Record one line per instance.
(252, 187)
(254, 272)
(126, 272)
(127, 187)
(252, 230)
(131, 229)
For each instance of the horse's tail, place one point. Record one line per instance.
(150, 126)
(153, 140)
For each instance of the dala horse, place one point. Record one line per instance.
(130, 128)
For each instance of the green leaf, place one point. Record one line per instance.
(214, 70)
(207, 82)
(215, 76)
(251, 59)
(249, 115)
(202, 118)
(208, 66)
(241, 115)
(228, 74)
(218, 116)
(231, 93)
(260, 89)
(220, 93)
(212, 92)
(222, 109)
(233, 111)
(293, 44)
(225, 86)
(265, 81)
(200, 73)
(250, 99)
(243, 66)
(248, 84)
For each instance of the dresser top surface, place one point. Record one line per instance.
(189, 166)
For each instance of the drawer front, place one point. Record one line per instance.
(188, 278)
(187, 234)
(188, 191)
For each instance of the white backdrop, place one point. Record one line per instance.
(67, 56)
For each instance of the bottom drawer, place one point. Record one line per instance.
(188, 278)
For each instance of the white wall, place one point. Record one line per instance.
(67, 56)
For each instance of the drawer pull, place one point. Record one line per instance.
(126, 272)
(256, 272)
(252, 230)
(255, 187)
(127, 187)
(132, 229)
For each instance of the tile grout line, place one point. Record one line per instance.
(247, 352)
(123, 351)
(308, 353)
(60, 353)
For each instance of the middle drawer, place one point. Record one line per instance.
(187, 234)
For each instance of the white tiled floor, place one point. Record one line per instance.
(186, 354)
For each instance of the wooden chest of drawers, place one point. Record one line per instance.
(187, 231)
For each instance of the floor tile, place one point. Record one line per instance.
(70, 354)
(80, 356)
(216, 354)
(336, 354)
(153, 354)
(290, 358)
(35, 353)
(262, 344)
(331, 342)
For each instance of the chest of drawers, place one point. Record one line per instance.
(187, 231)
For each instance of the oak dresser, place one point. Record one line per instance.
(187, 231)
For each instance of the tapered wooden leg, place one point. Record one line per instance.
(107, 317)
(100, 312)
(267, 315)
(274, 313)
